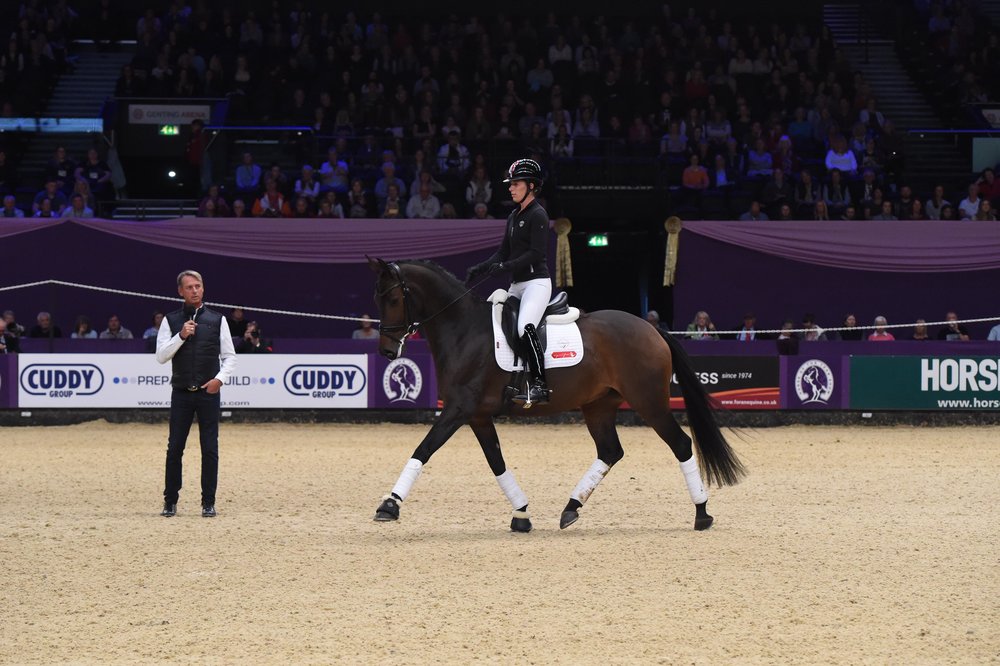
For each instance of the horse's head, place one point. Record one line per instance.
(392, 298)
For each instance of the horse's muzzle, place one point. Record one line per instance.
(388, 353)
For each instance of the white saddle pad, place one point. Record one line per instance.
(563, 343)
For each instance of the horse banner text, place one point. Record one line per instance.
(926, 382)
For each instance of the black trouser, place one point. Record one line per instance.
(184, 406)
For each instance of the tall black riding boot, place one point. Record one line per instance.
(538, 391)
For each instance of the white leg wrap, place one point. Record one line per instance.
(693, 478)
(598, 470)
(508, 484)
(407, 478)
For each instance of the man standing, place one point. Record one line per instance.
(198, 342)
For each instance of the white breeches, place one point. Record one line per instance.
(534, 295)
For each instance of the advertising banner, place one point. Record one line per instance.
(738, 382)
(8, 381)
(922, 382)
(301, 381)
(814, 381)
(404, 383)
(168, 114)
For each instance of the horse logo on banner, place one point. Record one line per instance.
(402, 381)
(814, 382)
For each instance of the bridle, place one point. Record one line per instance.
(409, 325)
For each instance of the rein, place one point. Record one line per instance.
(410, 325)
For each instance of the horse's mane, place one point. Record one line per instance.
(440, 270)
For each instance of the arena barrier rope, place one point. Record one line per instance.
(138, 294)
(314, 315)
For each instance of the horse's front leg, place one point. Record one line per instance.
(486, 433)
(451, 419)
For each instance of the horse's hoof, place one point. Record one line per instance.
(520, 525)
(702, 521)
(568, 518)
(387, 511)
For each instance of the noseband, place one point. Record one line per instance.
(409, 326)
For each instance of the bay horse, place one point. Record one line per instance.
(624, 359)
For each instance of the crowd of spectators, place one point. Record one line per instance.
(809, 330)
(966, 47)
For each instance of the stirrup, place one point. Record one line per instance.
(538, 393)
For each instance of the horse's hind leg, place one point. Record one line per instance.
(486, 433)
(600, 418)
(657, 414)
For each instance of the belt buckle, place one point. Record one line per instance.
(193, 388)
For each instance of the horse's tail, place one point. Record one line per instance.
(719, 461)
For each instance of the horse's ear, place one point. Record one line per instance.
(377, 265)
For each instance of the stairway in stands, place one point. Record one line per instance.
(78, 94)
(930, 158)
(990, 8)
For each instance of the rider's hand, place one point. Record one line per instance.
(476, 271)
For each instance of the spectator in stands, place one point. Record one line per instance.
(453, 159)
(248, 176)
(807, 193)
(334, 174)
(904, 204)
(252, 342)
(44, 328)
(986, 212)
(785, 213)
(674, 144)
(62, 170)
(272, 203)
(871, 118)
(198, 167)
(479, 189)
(886, 212)
(812, 331)
(213, 204)
(275, 175)
(10, 208)
(392, 206)
(357, 198)
(994, 335)
(880, 334)
(954, 331)
(969, 206)
(820, 211)
(784, 156)
(947, 212)
(701, 327)
(9, 344)
(97, 174)
(722, 177)
(149, 335)
(82, 188)
(329, 206)
(481, 212)
(115, 330)
(989, 186)
(78, 208)
(840, 157)
(307, 187)
(920, 331)
(851, 332)
(755, 214)
(365, 330)
(448, 211)
(748, 332)
(82, 329)
(45, 210)
(302, 209)
(850, 213)
(423, 204)
(865, 190)
(915, 211)
(56, 199)
(382, 185)
(13, 328)
(836, 194)
(760, 163)
(239, 208)
(872, 157)
(694, 180)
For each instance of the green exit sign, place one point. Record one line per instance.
(169, 130)
(597, 240)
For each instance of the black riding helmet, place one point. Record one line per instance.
(526, 170)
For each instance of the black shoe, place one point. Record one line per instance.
(169, 510)
(538, 394)
(208, 511)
